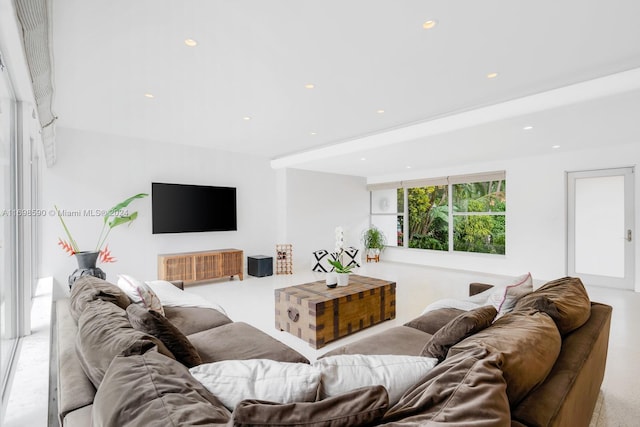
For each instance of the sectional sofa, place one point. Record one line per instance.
(542, 364)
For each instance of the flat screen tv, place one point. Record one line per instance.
(179, 208)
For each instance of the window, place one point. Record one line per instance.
(459, 213)
(9, 307)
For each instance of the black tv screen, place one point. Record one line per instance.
(179, 208)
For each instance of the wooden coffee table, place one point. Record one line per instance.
(318, 314)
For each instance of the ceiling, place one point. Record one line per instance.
(242, 88)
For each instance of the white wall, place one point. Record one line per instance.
(96, 171)
(536, 212)
(316, 204)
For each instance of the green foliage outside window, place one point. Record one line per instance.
(428, 211)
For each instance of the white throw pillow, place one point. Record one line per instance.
(233, 381)
(129, 286)
(139, 293)
(346, 372)
(504, 298)
(465, 305)
(172, 296)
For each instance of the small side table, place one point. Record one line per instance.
(375, 258)
(260, 265)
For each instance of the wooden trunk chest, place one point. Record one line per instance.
(320, 315)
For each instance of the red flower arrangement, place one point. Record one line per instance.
(111, 219)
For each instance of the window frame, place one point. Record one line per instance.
(450, 181)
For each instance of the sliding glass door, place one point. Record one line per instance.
(9, 307)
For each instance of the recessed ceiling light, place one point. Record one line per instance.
(309, 86)
(555, 147)
(312, 133)
(191, 42)
(149, 95)
(380, 111)
(247, 118)
(492, 75)
(527, 128)
(429, 24)
(363, 158)
(408, 167)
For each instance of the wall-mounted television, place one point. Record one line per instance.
(180, 208)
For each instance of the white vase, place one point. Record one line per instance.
(343, 279)
(331, 279)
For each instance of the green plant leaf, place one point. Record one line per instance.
(119, 220)
(122, 205)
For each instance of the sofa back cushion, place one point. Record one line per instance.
(459, 328)
(570, 298)
(153, 323)
(433, 320)
(467, 389)
(89, 288)
(362, 407)
(104, 331)
(529, 342)
(144, 388)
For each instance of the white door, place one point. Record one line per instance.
(600, 227)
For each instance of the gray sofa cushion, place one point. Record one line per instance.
(360, 407)
(104, 331)
(74, 388)
(190, 320)
(241, 341)
(570, 298)
(529, 343)
(153, 323)
(461, 327)
(89, 288)
(145, 388)
(433, 320)
(400, 340)
(465, 390)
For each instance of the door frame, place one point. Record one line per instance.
(628, 281)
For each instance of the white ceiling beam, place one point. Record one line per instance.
(580, 92)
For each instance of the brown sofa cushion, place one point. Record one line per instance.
(570, 298)
(461, 327)
(400, 340)
(104, 331)
(145, 388)
(89, 288)
(190, 320)
(467, 389)
(153, 323)
(433, 320)
(241, 341)
(360, 407)
(529, 343)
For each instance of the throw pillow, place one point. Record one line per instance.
(571, 300)
(346, 372)
(529, 342)
(140, 293)
(433, 320)
(172, 296)
(504, 298)
(361, 407)
(130, 286)
(456, 330)
(152, 323)
(145, 388)
(235, 380)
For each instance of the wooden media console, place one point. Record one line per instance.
(201, 266)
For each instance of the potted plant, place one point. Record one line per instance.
(112, 218)
(374, 241)
(342, 271)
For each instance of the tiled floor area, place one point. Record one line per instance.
(252, 301)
